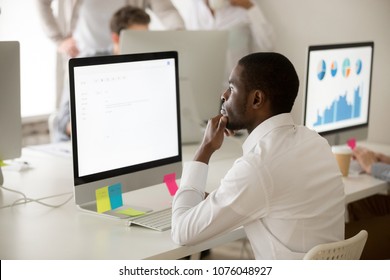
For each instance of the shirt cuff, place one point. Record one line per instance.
(194, 175)
(381, 170)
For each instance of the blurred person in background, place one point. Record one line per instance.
(127, 17)
(372, 213)
(249, 29)
(81, 28)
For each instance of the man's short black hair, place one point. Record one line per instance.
(273, 74)
(126, 16)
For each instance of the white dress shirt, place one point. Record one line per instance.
(249, 30)
(92, 32)
(286, 190)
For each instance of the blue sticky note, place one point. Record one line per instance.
(115, 194)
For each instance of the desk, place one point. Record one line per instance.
(33, 231)
(358, 187)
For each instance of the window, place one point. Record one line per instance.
(19, 21)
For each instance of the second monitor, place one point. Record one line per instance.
(202, 56)
(338, 89)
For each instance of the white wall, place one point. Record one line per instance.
(300, 23)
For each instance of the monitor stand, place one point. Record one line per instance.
(342, 137)
(1, 177)
(91, 208)
(336, 139)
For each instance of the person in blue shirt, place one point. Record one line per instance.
(376, 164)
(127, 17)
(372, 213)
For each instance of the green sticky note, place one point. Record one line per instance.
(102, 200)
(130, 212)
(2, 163)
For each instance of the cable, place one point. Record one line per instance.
(10, 190)
(26, 199)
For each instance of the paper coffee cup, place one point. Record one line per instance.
(343, 157)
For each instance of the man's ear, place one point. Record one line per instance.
(259, 99)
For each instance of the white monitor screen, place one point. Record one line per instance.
(338, 86)
(125, 114)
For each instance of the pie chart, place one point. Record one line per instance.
(321, 70)
(346, 68)
(358, 66)
(333, 68)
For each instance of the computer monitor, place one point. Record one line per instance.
(202, 60)
(338, 89)
(10, 117)
(125, 120)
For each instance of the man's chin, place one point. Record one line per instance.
(231, 126)
(234, 127)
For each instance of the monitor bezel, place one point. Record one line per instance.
(339, 46)
(100, 60)
(10, 105)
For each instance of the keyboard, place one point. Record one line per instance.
(156, 220)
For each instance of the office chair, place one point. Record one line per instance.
(348, 249)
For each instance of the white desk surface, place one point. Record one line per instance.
(363, 185)
(33, 231)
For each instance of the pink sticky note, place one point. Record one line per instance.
(351, 143)
(170, 181)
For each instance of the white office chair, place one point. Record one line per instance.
(349, 249)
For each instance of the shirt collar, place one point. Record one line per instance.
(264, 128)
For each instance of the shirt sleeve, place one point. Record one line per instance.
(262, 31)
(167, 13)
(381, 171)
(48, 21)
(239, 199)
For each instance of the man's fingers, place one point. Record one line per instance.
(222, 122)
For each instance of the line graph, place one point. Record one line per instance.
(341, 109)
